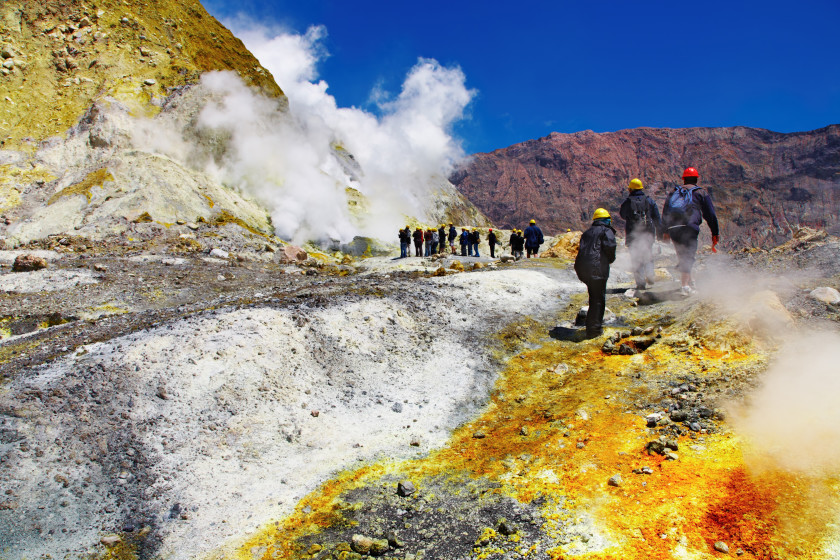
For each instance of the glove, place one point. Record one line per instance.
(715, 239)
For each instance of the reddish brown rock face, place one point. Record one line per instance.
(763, 183)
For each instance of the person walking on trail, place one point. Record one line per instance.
(476, 239)
(533, 239)
(517, 242)
(684, 211)
(435, 240)
(491, 240)
(418, 242)
(405, 241)
(453, 233)
(465, 242)
(441, 239)
(642, 227)
(592, 265)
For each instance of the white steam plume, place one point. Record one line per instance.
(794, 417)
(290, 164)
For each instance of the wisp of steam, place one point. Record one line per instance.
(300, 164)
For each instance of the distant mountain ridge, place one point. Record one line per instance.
(763, 183)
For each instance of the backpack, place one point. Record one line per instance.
(639, 214)
(680, 205)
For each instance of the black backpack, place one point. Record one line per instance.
(639, 214)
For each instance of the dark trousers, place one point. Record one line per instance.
(418, 249)
(597, 304)
(531, 251)
(492, 250)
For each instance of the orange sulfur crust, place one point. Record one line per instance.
(680, 511)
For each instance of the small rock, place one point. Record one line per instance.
(7, 52)
(506, 258)
(679, 416)
(219, 254)
(405, 488)
(721, 546)
(293, 254)
(456, 265)
(161, 393)
(99, 267)
(314, 549)
(615, 480)
(111, 540)
(9, 64)
(523, 431)
(825, 294)
(315, 413)
(581, 445)
(28, 263)
(626, 350)
(695, 426)
(397, 407)
(149, 82)
(361, 544)
(505, 527)
(671, 456)
(394, 540)
(192, 225)
(479, 435)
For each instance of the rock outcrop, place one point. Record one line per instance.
(765, 184)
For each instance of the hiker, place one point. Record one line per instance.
(428, 239)
(642, 227)
(453, 233)
(405, 241)
(516, 244)
(475, 239)
(684, 211)
(441, 239)
(465, 242)
(418, 242)
(533, 239)
(491, 240)
(592, 265)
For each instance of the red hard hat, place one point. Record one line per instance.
(690, 172)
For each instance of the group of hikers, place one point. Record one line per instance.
(433, 241)
(682, 214)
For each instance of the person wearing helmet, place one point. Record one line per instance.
(491, 240)
(465, 242)
(533, 239)
(517, 243)
(592, 265)
(453, 233)
(418, 242)
(475, 239)
(441, 239)
(642, 225)
(683, 212)
(405, 241)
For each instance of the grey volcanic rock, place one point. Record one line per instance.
(763, 183)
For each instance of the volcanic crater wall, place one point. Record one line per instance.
(764, 183)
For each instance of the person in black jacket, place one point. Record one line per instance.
(441, 239)
(592, 265)
(475, 239)
(405, 241)
(491, 240)
(453, 233)
(642, 226)
(517, 242)
(684, 211)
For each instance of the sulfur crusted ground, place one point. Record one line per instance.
(530, 476)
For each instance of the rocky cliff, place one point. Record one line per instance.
(763, 183)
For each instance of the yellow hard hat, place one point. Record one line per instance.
(635, 185)
(600, 213)
(533, 222)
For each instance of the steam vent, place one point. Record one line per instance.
(211, 349)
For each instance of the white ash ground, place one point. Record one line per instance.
(204, 430)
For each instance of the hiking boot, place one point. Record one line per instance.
(687, 291)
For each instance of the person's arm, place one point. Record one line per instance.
(608, 245)
(656, 218)
(709, 214)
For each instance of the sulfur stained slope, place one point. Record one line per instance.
(59, 56)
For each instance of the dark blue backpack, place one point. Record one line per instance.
(680, 205)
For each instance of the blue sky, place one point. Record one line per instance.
(562, 66)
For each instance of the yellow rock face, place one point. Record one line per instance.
(60, 56)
